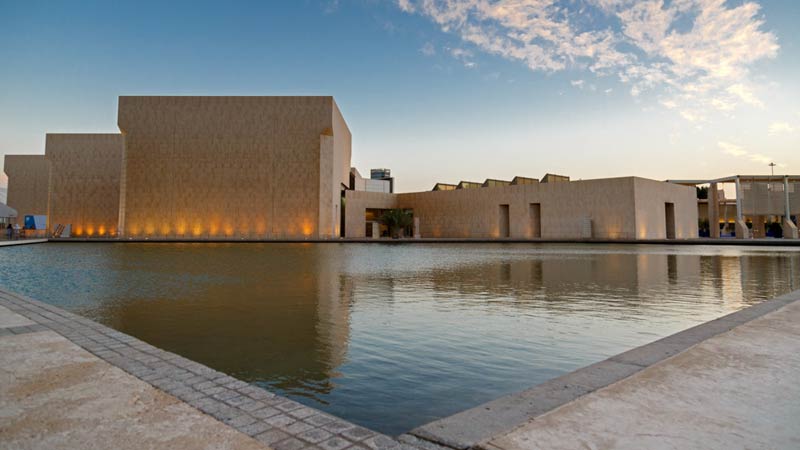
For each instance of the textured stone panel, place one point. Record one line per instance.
(84, 182)
(614, 207)
(28, 184)
(232, 167)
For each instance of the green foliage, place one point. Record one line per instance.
(396, 220)
(702, 192)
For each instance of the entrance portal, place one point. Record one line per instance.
(504, 222)
(536, 220)
(669, 214)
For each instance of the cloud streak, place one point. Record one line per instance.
(695, 54)
(777, 128)
(738, 151)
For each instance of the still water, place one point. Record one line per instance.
(394, 336)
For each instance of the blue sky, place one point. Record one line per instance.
(438, 90)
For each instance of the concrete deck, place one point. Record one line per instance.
(22, 242)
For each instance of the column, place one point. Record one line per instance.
(742, 232)
(376, 230)
(713, 210)
(789, 228)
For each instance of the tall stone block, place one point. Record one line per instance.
(28, 184)
(85, 182)
(232, 167)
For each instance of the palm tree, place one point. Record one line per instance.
(397, 220)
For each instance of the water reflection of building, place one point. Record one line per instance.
(281, 318)
(561, 282)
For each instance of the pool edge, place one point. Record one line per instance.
(473, 427)
(225, 398)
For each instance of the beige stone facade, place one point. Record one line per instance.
(28, 184)
(275, 168)
(232, 167)
(84, 182)
(615, 208)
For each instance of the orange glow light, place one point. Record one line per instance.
(307, 228)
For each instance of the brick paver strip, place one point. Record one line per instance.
(276, 421)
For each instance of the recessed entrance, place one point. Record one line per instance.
(504, 222)
(536, 220)
(669, 214)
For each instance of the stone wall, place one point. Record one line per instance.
(84, 182)
(249, 167)
(28, 184)
(650, 201)
(601, 209)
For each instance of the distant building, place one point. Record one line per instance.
(760, 200)
(372, 184)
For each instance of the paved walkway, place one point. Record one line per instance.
(740, 389)
(68, 382)
(53, 394)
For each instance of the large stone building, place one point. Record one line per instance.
(84, 182)
(28, 184)
(278, 168)
(236, 167)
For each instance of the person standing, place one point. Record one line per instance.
(9, 231)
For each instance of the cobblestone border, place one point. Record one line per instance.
(473, 427)
(276, 421)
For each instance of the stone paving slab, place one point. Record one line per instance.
(55, 395)
(276, 421)
(736, 390)
(476, 426)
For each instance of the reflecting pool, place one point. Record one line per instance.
(394, 336)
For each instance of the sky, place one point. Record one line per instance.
(438, 90)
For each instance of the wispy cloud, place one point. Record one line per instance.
(428, 49)
(331, 6)
(465, 56)
(781, 128)
(696, 52)
(739, 152)
(406, 5)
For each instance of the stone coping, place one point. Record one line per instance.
(21, 242)
(476, 426)
(767, 242)
(276, 421)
